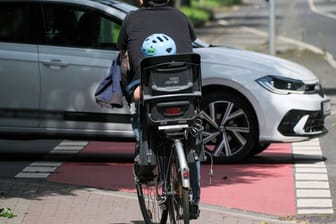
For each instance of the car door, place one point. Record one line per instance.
(81, 43)
(20, 26)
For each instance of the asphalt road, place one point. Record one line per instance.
(310, 21)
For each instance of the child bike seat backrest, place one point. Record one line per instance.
(171, 88)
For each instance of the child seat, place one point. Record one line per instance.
(171, 88)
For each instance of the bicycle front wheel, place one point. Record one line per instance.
(152, 201)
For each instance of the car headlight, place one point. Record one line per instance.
(284, 85)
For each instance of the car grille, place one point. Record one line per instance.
(302, 123)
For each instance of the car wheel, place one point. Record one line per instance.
(230, 126)
(259, 148)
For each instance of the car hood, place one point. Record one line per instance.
(260, 63)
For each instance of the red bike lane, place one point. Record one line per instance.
(263, 185)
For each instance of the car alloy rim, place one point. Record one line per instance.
(226, 128)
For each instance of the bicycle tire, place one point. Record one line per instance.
(179, 199)
(153, 209)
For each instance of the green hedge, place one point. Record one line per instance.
(203, 10)
(215, 3)
(197, 16)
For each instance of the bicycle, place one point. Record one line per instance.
(171, 93)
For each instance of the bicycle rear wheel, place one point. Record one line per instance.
(179, 199)
(152, 201)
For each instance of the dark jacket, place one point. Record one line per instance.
(109, 92)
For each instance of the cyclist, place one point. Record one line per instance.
(156, 16)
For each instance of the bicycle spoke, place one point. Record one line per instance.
(179, 196)
(152, 201)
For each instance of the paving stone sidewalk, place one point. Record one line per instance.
(47, 203)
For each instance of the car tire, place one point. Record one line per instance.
(259, 148)
(230, 126)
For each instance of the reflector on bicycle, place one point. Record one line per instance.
(173, 111)
(186, 174)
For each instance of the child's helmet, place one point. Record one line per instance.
(158, 44)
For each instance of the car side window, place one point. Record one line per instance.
(20, 22)
(12, 25)
(79, 27)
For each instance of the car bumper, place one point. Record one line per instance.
(295, 117)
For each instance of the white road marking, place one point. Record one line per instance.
(39, 169)
(314, 211)
(314, 203)
(46, 164)
(312, 184)
(61, 147)
(317, 164)
(32, 175)
(310, 176)
(313, 194)
(324, 11)
(311, 170)
(318, 193)
(73, 143)
(42, 169)
(69, 147)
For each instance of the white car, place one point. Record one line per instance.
(53, 53)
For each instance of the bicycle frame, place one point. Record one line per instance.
(183, 164)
